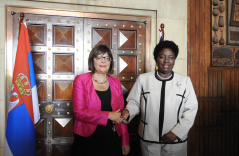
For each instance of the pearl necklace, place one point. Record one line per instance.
(100, 82)
(162, 77)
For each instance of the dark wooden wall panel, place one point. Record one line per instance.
(216, 128)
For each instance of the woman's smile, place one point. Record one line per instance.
(165, 61)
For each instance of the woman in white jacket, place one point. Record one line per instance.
(167, 103)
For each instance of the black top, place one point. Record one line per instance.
(105, 97)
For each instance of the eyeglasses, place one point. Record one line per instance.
(100, 57)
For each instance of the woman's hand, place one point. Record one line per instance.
(169, 137)
(115, 116)
(125, 149)
(124, 114)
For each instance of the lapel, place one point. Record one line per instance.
(94, 97)
(92, 93)
(113, 93)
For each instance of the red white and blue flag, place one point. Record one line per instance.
(23, 110)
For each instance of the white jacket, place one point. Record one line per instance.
(176, 99)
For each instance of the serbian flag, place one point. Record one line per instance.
(23, 110)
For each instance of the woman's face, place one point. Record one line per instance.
(165, 61)
(102, 63)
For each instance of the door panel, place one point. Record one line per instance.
(126, 40)
(127, 45)
(60, 48)
(57, 49)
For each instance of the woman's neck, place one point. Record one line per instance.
(100, 81)
(99, 78)
(164, 76)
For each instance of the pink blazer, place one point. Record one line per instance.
(87, 106)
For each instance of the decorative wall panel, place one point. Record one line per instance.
(39, 62)
(233, 22)
(41, 150)
(237, 58)
(63, 90)
(102, 36)
(63, 63)
(225, 32)
(127, 65)
(127, 39)
(63, 127)
(126, 86)
(63, 35)
(223, 57)
(41, 90)
(61, 150)
(37, 34)
(40, 129)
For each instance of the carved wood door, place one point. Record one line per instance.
(60, 48)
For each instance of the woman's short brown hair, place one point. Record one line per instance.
(98, 50)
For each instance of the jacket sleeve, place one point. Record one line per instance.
(189, 113)
(82, 112)
(133, 100)
(123, 126)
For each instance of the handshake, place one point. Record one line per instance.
(118, 116)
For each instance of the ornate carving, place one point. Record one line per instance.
(234, 14)
(237, 58)
(222, 57)
(49, 109)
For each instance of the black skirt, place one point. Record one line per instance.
(104, 141)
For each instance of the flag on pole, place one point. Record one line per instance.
(161, 35)
(23, 110)
(161, 38)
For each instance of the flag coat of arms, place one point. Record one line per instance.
(23, 110)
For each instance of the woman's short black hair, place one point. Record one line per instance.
(165, 44)
(98, 50)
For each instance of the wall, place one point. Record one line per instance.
(172, 13)
(215, 130)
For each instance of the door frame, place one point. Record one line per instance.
(10, 52)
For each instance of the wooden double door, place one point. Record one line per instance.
(60, 47)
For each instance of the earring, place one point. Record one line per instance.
(156, 67)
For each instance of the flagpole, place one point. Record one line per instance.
(161, 38)
(21, 20)
(162, 30)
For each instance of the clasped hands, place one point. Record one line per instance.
(118, 116)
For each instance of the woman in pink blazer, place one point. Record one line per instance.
(97, 101)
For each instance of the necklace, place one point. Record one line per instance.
(100, 82)
(162, 77)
